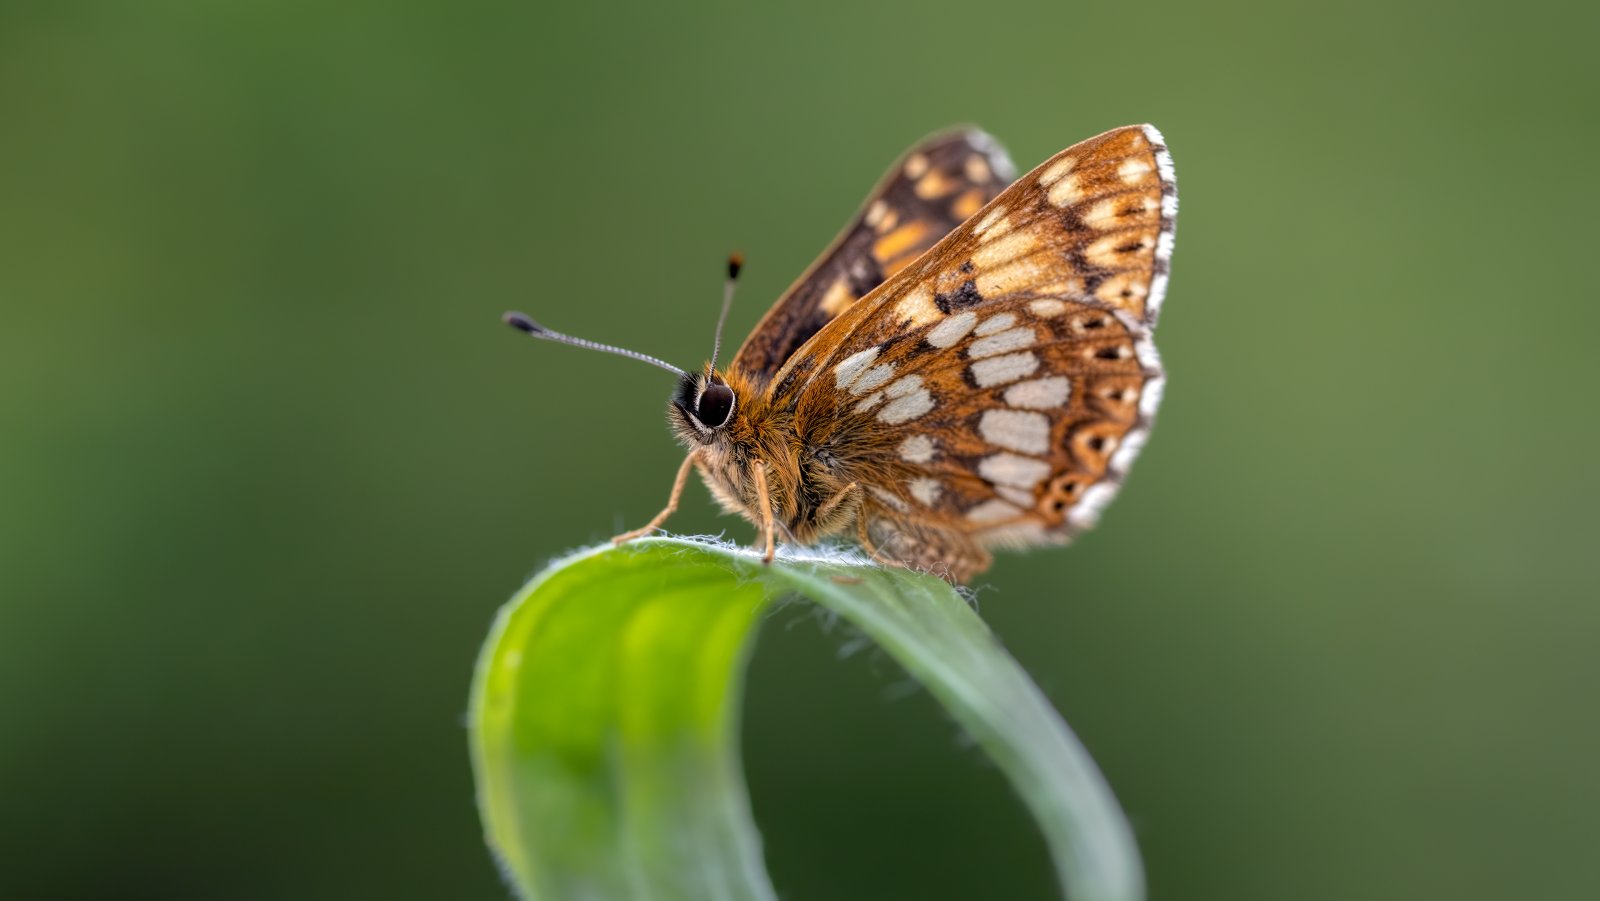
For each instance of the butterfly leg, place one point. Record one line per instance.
(864, 538)
(759, 470)
(833, 502)
(672, 504)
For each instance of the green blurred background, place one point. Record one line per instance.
(270, 462)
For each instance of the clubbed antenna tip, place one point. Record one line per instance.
(522, 322)
(735, 263)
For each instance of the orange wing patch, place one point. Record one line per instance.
(934, 187)
(905, 243)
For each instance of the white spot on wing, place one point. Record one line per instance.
(1065, 192)
(1056, 171)
(918, 306)
(1047, 307)
(1022, 497)
(996, 323)
(909, 405)
(952, 330)
(872, 378)
(905, 386)
(994, 510)
(1001, 249)
(869, 402)
(1016, 430)
(1000, 370)
(988, 222)
(917, 449)
(846, 372)
(1013, 469)
(1013, 339)
(925, 490)
(1040, 394)
(1133, 169)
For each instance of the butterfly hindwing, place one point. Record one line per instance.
(1000, 386)
(938, 184)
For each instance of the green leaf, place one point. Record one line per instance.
(605, 711)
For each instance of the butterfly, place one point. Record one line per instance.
(968, 366)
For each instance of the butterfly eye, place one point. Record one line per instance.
(715, 407)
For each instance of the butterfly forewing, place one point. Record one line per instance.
(1007, 378)
(938, 184)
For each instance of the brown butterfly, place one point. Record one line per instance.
(965, 367)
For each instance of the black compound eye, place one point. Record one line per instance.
(716, 405)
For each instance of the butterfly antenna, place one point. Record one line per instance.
(735, 263)
(522, 322)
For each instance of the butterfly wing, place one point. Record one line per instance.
(938, 184)
(996, 391)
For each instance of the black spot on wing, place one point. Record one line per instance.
(888, 343)
(965, 296)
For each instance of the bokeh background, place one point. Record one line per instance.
(269, 463)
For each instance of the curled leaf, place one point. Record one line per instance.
(605, 711)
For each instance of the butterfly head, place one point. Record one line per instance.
(703, 406)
